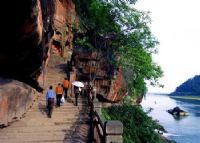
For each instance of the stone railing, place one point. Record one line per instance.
(107, 132)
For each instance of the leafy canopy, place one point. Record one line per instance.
(124, 32)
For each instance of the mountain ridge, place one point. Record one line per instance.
(190, 87)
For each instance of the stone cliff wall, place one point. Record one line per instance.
(37, 27)
(64, 19)
(93, 66)
(15, 99)
(28, 30)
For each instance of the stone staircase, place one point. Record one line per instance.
(69, 123)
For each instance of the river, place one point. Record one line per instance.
(182, 130)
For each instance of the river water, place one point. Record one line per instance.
(182, 130)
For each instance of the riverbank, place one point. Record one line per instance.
(181, 130)
(186, 97)
(137, 125)
(161, 131)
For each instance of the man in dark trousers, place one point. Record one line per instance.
(50, 97)
(77, 91)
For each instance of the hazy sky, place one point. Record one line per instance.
(176, 24)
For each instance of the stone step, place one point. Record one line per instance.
(76, 140)
(70, 108)
(68, 113)
(43, 98)
(33, 141)
(39, 129)
(61, 109)
(42, 102)
(55, 115)
(69, 123)
(29, 133)
(73, 108)
(64, 121)
(36, 138)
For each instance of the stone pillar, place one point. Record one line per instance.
(113, 132)
(97, 107)
(71, 79)
(69, 91)
(94, 93)
(97, 104)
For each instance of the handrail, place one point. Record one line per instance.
(97, 125)
(109, 132)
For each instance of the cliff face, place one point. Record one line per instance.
(16, 98)
(108, 81)
(28, 29)
(93, 66)
(39, 26)
(30, 26)
(33, 28)
(64, 19)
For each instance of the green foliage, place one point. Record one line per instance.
(84, 43)
(138, 127)
(105, 115)
(125, 34)
(95, 17)
(122, 1)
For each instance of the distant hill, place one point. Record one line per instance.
(189, 87)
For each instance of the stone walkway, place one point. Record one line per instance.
(69, 123)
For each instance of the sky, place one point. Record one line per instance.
(176, 25)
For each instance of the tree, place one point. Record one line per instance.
(124, 33)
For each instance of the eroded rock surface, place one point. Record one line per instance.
(15, 99)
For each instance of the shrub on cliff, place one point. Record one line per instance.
(138, 127)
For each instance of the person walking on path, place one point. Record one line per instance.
(89, 94)
(77, 91)
(59, 92)
(50, 97)
(65, 86)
